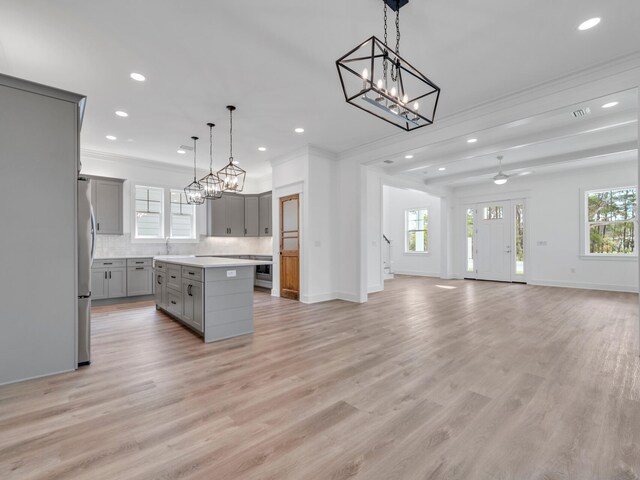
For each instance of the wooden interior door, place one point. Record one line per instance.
(290, 247)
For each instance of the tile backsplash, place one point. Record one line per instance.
(121, 245)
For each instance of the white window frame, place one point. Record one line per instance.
(166, 216)
(194, 233)
(134, 213)
(585, 234)
(406, 232)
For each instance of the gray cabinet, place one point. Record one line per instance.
(117, 282)
(251, 216)
(265, 215)
(99, 283)
(161, 289)
(235, 215)
(106, 199)
(139, 281)
(192, 304)
(225, 216)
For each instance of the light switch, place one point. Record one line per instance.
(231, 273)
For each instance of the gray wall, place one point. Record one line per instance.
(38, 164)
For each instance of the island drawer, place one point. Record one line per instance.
(174, 278)
(138, 262)
(174, 304)
(111, 263)
(161, 266)
(192, 273)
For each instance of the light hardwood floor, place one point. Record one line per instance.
(479, 381)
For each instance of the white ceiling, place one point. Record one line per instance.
(275, 60)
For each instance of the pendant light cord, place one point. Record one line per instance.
(394, 71)
(195, 140)
(211, 149)
(230, 135)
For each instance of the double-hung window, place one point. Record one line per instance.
(610, 227)
(149, 211)
(417, 230)
(183, 217)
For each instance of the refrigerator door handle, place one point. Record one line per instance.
(93, 234)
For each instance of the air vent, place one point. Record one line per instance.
(388, 162)
(582, 112)
(186, 147)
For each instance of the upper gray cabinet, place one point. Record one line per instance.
(251, 216)
(265, 215)
(225, 216)
(106, 199)
(239, 216)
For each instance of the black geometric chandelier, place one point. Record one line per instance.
(211, 184)
(194, 191)
(232, 176)
(378, 80)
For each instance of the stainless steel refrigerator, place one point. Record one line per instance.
(86, 250)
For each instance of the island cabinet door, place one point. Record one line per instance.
(192, 306)
(198, 306)
(161, 290)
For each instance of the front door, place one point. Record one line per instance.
(290, 247)
(495, 241)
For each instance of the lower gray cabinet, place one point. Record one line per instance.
(99, 283)
(174, 302)
(139, 281)
(117, 282)
(161, 289)
(192, 304)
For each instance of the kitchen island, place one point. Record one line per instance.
(211, 295)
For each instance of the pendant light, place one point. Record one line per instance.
(194, 192)
(376, 79)
(211, 184)
(232, 176)
(500, 178)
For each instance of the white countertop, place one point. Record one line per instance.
(122, 257)
(208, 262)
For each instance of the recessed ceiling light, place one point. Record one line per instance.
(442, 169)
(262, 149)
(610, 104)
(138, 77)
(111, 137)
(408, 157)
(120, 113)
(181, 152)
(522, 174)
(299, 130)
(472, 140)
(587, 24)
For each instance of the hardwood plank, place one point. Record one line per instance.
(480, 381)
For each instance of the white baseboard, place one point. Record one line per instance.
(585, 285)
(349, 297)
(417, 273)
(375, 288)
(317, 298)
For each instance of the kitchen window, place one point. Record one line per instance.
(161, 213)
(417, 230)
(183, 217)
(149, 212)
(610, 222)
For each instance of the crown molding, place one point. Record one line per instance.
(128, 159)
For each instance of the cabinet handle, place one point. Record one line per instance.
(108, 263)
(173, 276)
(138, 263)
(191, 273)
(189, 290)
(109, 274)
(139, 268)
(105, 275)
(98, 226)
(245, 231)
(159, 278)
(174, 303)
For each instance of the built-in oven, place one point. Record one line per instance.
(264, 276)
